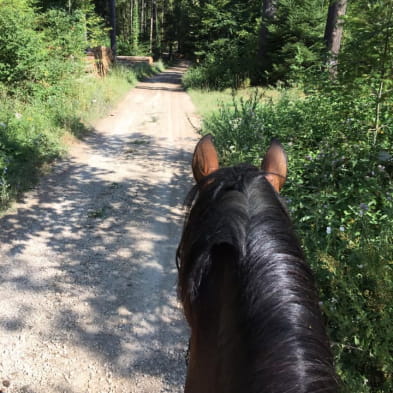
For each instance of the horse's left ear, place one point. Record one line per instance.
(275, 165)
(205, 159)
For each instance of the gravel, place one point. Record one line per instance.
(87, 269)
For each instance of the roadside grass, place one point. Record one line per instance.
(207, 102)
(340, 195)
(143, 70)
(35, 129)
(99, 95)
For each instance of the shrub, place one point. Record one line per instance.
(225, 65)
(195, 78)
(22, 51)
(27, 139)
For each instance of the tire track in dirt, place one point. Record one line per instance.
(87, 269)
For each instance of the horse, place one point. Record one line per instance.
(247, 293)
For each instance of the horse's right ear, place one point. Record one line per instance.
(205, 159)
(275, 164)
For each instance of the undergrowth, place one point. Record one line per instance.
(207, 103)
(340, 194)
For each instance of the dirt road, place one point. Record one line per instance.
(87, 269)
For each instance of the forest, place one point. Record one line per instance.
(317, 74)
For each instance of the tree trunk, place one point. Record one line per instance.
(269, 8)
(334, 32)
(162, 26)
(158, 40)
(143, 18)
(135, 28)
(131, 21)
(151, 26)
(112, 12)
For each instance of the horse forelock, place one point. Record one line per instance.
(221, 210)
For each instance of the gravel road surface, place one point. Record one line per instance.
(87, 268)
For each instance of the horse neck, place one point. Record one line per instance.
(218, 361)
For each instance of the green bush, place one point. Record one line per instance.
(22, 50)
(27, 140)
(195, 78)
(225, 65)
(64, 34)
(340, 194)
(39, 51)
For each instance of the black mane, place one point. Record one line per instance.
(236, 211)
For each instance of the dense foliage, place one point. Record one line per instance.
(230, 39)
(295, 40)
(225, 38)
(144, 27)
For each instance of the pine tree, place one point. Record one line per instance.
(112, 13)
(295, 39)
(269, 8)
(135, 28)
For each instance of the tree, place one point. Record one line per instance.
(68, 5)
(151, 26)
(268, 12)
(366, 59)
(294, 40)
(112, 12)
(334, 32)
(135, 28)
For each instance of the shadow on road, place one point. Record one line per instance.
(108, 257)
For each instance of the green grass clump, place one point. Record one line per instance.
(144, 70)
(195, 78)
(208, 102)
(340, 194)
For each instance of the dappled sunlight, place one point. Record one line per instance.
(90, 258)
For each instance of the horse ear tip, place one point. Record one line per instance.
(205, 158)
(207, 137)
(276, 141)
